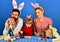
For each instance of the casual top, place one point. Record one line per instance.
(27, 31)
(17, 28)
(42, 25)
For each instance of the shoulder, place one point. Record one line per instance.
(35, 19)
(48, 19)
(24, 27)
(7, 20)
(20, 19)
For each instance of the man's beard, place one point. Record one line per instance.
(16, 19)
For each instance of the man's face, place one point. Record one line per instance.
(15, 15)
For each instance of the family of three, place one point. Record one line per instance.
(39, 26)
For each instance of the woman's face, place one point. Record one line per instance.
(39, 13)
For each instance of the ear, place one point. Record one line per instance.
(14, 3)
(35, 5)
(21, 6)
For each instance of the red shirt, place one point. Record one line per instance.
(27, 31)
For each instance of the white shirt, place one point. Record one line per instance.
(17, 28)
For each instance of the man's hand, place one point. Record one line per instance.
(17, 35)
(11, 22)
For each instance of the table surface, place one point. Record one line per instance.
(33, 39)
(30, 39)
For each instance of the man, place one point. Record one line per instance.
(19, 23)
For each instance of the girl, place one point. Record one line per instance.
(28, 28)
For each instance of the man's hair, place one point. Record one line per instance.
(16, 10)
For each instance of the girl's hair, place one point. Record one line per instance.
(28, 21)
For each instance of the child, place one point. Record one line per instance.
(28, 28)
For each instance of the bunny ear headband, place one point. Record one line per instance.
(29, 16)
(35, 5)
(15, 6)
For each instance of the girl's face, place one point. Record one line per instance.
(28, 25)
(39, 13)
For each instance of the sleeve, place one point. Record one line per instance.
(18, 27)
(5, 32)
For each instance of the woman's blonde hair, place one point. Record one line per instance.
(40, 8)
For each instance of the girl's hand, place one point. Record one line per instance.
(21, 32)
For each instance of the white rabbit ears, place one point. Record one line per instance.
(35, 5)
(15, 6)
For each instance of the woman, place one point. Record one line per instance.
(42, 23)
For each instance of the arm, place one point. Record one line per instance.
(49, 32)
(50, 23)
(35, 31)
(6, 29)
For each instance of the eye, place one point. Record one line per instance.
(37, 12)
(12, 13)
(16, 15)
